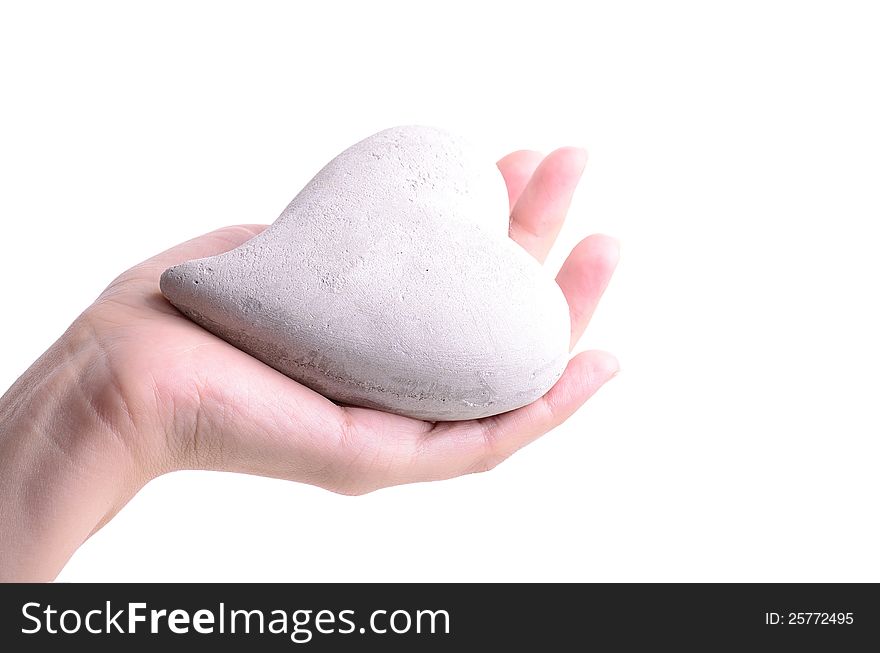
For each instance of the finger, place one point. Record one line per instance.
(584, 276)
(517, 168)
(455, 448)
(540, 210)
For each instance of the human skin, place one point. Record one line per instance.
(133, 390)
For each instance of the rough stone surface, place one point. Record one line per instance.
(389, 282)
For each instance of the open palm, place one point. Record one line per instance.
(180, 397)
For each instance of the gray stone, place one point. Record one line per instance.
(389, 282)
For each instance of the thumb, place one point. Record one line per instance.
(144, 277)
(210, 244)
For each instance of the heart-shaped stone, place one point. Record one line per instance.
(390, 282)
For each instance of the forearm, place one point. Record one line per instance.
(63, 474)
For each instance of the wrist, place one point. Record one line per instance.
(64, 468)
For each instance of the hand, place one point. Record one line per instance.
(139, 390)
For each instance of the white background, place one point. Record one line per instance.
(735, 151)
